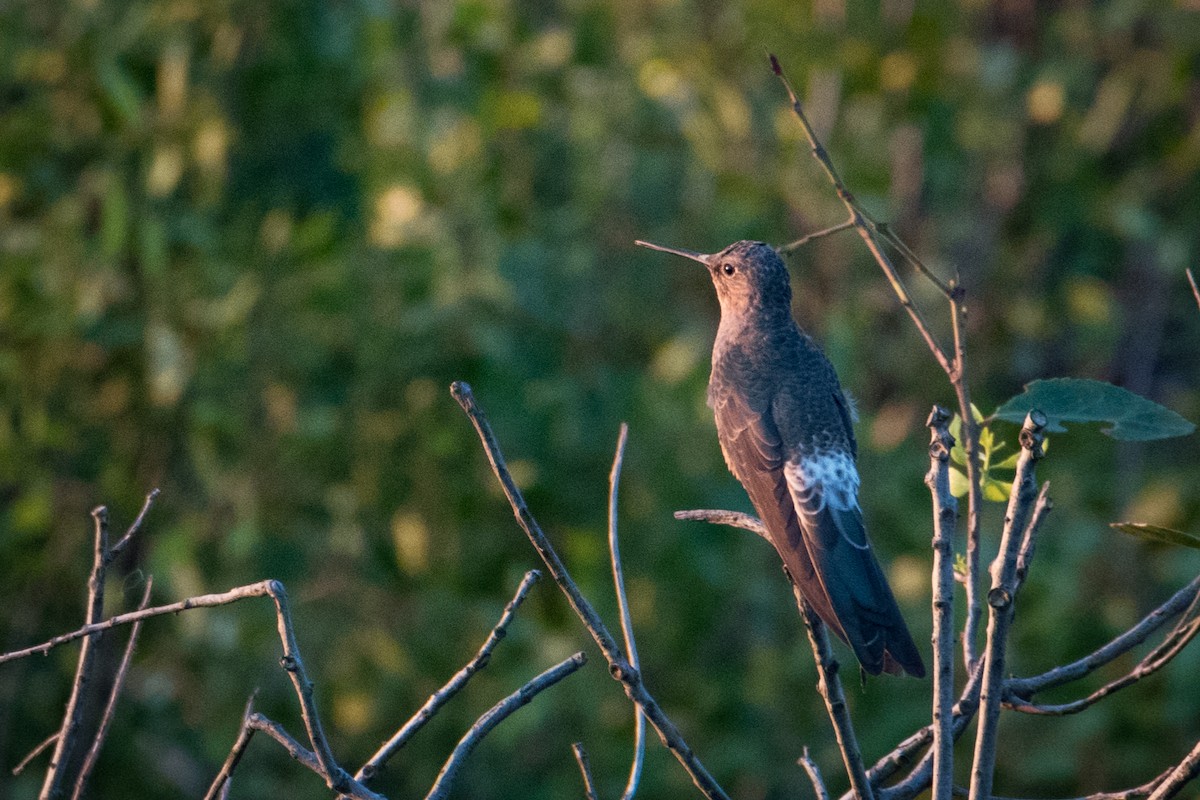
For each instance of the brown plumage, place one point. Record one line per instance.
(786, 431)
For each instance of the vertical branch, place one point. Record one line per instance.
(970, 435)
(945, 512)
(585, 769)
(54, 785)
(89, 762)
(1000, 602)
(639, 720)
(830, 687)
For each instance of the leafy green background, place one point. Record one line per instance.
(245, 247)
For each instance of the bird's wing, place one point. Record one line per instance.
(755, 454)
(823, 487)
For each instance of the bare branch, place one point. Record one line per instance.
(299, 753)
(788, 249)
(585, 769)
(618, 666)
(1192, 282)
(1041, 508)
(814, 775)
(1155, 660)
(969, 430)
(863, 224)
(54, 785)
(1179, 777)
(260, 589)
(945, 512)
(89, 761)
(1027, 687)
(734, 519)
(452, 687)
(1000, 603)
(245, 734)
(34, 753)
(614, 551)
(830, 687)
(497, 714)
(116, 549)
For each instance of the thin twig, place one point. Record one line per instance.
(116, 549)
(245, 734)
(614, 551)
(830, 687)
(1041, 508)
(89, 761)
(734, 519)
(494, 716)
(1175, 605)
(1192, 283)
(260, 589)
(945, 512)
(862, 223)
(1179, 777)
(1155, 660)
(34, 753)
(618, 666)
(1000, 604)
(788, 249)
(54, 785)
(439, 698)
(585, 769)
(814, 775)
(299, 753)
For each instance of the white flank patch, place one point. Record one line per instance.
(825, 477)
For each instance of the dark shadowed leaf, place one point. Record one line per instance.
(1133, 418)
(1156, 533)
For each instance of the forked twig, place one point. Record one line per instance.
(618, 666)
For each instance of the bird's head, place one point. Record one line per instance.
(750, 277)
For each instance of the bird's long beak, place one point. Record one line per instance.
(692, 254)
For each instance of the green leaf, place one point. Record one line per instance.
(959, 485)
(1133, 418)
(1008, 463)
(1156, 533)
(996, 491)
(958, 453)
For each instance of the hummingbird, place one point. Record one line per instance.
(786, 431)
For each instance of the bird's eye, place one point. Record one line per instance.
(728, 268)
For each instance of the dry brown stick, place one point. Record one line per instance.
(1179, 777)
(116, 549)
(814, 775)
(792, 247)
(945, 512)
(452, 687)
(1155, 660)
(54, 785)
(614, 551)
(259, 589)
(830, 687)
(34, 753)
(618, 666)
(1121, 644)
(497, 714)
(89, 761)
(1192, 282)
(585, 769)
(221, 782)
(1000, 603)
(734, 519)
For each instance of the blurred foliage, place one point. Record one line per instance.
(245, 247)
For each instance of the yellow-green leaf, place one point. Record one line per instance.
(1157, 533)
(996, 491)
(959, 485)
